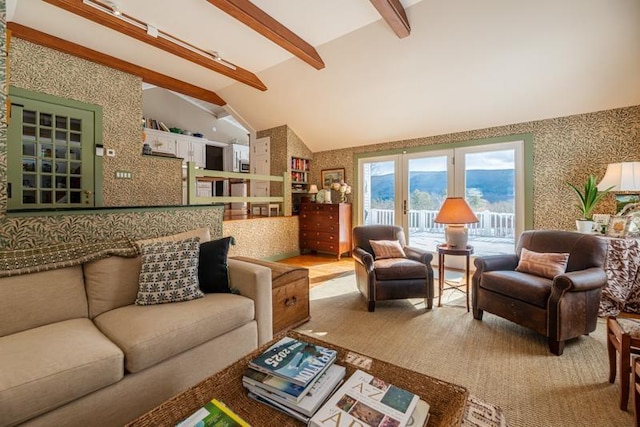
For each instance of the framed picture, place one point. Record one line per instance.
(623, 200)
(329, 176)
(617, 226)
(600, 222)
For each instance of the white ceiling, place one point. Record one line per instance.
(467, 64)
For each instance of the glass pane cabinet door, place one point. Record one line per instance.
(51, 156)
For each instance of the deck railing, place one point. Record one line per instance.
(490, 224)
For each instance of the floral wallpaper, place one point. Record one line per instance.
(566, 149)
(155, 181)
(121, 99)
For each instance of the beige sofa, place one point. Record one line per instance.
(75, 350)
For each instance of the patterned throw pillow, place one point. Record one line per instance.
(547, 265)
(387, 249)
(169, 272)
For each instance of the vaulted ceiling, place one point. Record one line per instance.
(356, 72)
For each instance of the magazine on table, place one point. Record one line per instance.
(420, 415)
(296, 361)
(369, 401)
(213, 414)
(280, 386)
(310, 403)
(279, 407)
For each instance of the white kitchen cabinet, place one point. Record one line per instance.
(191, 151)
(161, 142)
(261, 164)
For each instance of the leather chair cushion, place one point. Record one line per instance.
(522, 286)
(399, 269)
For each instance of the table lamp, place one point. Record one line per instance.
(456, 213)
(622, 177)
(313, 190)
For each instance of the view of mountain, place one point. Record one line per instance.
(494, 184)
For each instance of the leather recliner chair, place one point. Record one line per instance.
(391, 278)
(561, 308)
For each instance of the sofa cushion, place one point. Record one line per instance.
(169, 272)
(213, 273)
(36, 299)
(399, 268)
(111, 283)
(48, 366)
(529, 288)
(150, 334)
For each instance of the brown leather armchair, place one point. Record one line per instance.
(391, 278)
(561, 308)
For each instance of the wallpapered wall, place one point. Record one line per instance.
(156, 181)
(64, 75)
(285, 143)
(565, 149)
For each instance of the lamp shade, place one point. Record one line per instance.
(455, 210)
(313, 189)
(622, 177)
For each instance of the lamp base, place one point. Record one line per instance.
(457, 236)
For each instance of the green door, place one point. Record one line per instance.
(51, 156)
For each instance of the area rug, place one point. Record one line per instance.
(499, 362)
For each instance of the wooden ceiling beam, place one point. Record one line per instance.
(79, 8)
(149, 76)
(261, 22)
(393, 12)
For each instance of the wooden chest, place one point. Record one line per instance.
(290, 293)
(325, 228)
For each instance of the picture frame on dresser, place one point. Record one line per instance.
(329, 176)
(618, 226)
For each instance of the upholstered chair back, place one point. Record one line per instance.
(585, 251)
(363, 233)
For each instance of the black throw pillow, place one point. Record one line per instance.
(213, 273)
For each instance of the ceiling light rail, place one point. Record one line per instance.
(153, 31)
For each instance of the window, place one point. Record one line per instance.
(51, 152)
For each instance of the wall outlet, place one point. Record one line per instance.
(124, 175)
(111, 152)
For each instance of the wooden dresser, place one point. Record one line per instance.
(326, 227)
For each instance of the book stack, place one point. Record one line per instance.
(364, 400)
(294, 377)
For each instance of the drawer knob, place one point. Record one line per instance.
(290, 301)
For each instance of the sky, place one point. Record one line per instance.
(483, 160)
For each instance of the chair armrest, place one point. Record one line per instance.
(419, 255)
(495, 263)
(582, 280)
(254, 281)
(363, 257)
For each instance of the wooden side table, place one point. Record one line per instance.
(443, 250)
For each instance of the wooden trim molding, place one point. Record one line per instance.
(79, 8)
(149, 76)
(395, 15)
(261, 22)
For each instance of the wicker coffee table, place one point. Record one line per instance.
(447, 400)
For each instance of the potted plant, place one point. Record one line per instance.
(588, 198)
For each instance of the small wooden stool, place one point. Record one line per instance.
(623, 337)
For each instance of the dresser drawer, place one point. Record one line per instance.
(321, 236)
(319, 224)
(317, 245)
(290, 305)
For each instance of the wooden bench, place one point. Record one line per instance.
(290, 298)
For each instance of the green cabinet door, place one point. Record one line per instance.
(51, 154)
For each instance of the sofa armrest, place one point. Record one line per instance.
(254, 281)
(419, 255)
(496, 263)
(582, 280)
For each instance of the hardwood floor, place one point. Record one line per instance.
(322, 267)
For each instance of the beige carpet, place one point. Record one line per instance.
(496, 360)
